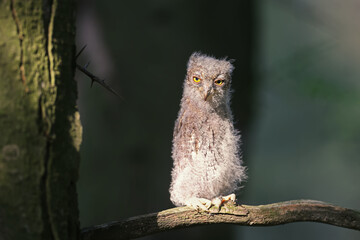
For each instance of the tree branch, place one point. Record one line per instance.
(262, 215)
(92, 76)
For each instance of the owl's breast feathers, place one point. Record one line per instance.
(203, 138)
(207, 162)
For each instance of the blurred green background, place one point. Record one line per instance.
(296, 100)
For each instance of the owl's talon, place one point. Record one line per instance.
(219, 201)
(231, 197)
(199, 203)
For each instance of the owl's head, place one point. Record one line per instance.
(208, 79)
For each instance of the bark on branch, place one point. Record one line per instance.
(262, 215)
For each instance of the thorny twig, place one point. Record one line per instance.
(92, 76)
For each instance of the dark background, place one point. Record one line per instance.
(296, 101)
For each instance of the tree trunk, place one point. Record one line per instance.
(39, 122)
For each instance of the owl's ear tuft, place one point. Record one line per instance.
(231, 60)
(195, 55)
(231, 66)
(193, 59)
(228, 64)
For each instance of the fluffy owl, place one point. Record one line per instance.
(206, 148)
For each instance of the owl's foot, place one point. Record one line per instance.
(199, 203)
(219, 201)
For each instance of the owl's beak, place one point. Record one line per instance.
(208, 94)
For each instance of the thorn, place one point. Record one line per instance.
(86, 65)
(81, 50)
(92, 76)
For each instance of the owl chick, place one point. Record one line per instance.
(206, 153)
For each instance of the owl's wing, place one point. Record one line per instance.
(178, 125)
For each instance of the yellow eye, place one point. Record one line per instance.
(219, 82)
(196, 79)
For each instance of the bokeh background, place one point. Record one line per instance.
(296, 100)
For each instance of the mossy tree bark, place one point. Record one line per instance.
(39, 123)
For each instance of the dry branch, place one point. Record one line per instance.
(262, 215)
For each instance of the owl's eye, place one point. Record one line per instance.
(219, 82)
(196, 79)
